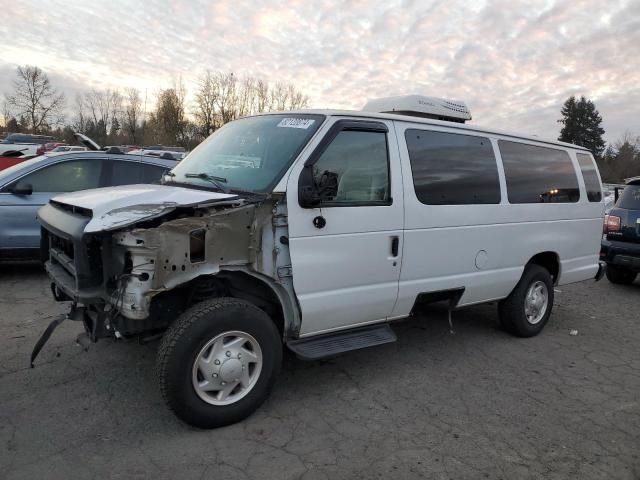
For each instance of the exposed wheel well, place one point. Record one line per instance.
(549, 261)
(251, 289)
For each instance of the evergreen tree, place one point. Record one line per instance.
(12, 125)
(581, 125)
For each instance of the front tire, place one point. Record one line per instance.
(218, 361)
(526, 310)
(620, 275)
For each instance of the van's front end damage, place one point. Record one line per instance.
(134, 274)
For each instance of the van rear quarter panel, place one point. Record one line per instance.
(484, 248)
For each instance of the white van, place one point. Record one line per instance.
(316, 229)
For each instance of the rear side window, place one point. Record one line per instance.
(452, 169)
(590, 176)
(538, 174)
(125, 173)
(630, 198)
(152, 173)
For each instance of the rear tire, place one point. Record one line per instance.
(218, 361)
(620, 275)
(526, 310)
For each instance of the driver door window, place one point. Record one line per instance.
(64, 177)
(354, 170)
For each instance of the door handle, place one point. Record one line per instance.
(395, 242)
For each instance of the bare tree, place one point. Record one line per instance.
(263, 100)
(104, 107)
(80, 118)
(6, 113)
(206, 101)
(168, 119)
(296, 99)
(35, 98)
(279, 96)
(132, 113)
(226, 100)
(222, 97)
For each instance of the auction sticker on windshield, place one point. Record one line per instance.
(296, 123)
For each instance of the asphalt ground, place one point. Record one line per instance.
(477, 403)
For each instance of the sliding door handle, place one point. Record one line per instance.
(395, 242)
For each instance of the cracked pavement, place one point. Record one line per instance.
(475, 404)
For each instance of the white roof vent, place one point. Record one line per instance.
(421, 106)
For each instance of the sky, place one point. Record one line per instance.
(513, 62)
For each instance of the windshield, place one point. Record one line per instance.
(630, 198)
(250, 154)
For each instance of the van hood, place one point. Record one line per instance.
(117, 207)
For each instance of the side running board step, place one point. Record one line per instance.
(335, 343)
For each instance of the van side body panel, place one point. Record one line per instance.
(484, 248)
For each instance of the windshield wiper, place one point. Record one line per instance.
(217, 181)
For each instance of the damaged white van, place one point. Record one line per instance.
(315, 230)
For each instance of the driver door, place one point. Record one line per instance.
(346, 250)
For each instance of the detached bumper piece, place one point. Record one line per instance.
(332, 344)
(72, 315)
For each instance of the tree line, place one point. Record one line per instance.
(117, 117)
(130, 117)
(582, 125)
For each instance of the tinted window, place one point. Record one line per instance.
(125, 173)
(65, 176)
(452, 169)
(630, 198)
(538, 174)
(358, 161)
(152, 173)
(590, 176)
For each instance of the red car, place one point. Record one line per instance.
(12, 158)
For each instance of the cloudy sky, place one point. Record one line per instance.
(513, 62)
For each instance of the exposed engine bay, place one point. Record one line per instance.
(132, 269)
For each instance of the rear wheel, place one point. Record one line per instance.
(620, 275)
(217, 362)
(526, 310)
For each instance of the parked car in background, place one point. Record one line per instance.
(28, 138)
(52, 145)
(68, 148)
(621, 239)
(12, 157)
(25, 187)
(168, 154)
(25, 149)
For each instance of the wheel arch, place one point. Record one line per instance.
(549, 261)
(265, 293)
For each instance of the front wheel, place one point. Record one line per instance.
(620, 275)
(217, 362)
(526, 310)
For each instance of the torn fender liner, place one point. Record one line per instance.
(45, 336)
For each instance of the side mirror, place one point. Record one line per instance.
(25, 189)
(311, 195)
(307, 195)
(328, 185)
(616, 194)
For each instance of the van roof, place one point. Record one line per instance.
(428, 121)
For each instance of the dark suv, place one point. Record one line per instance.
(621, 239)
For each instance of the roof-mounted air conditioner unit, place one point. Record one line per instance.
(421, 106)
